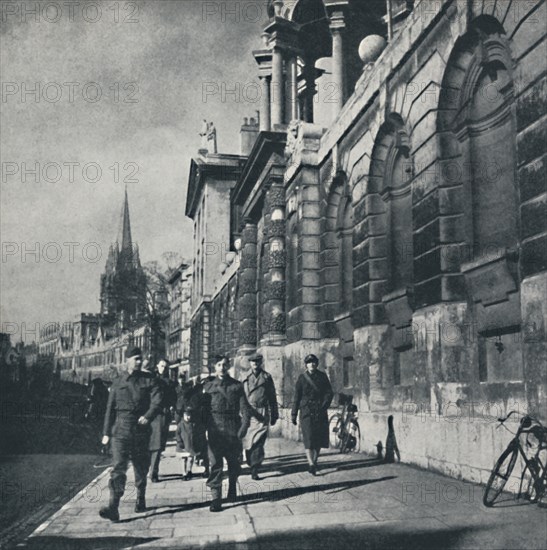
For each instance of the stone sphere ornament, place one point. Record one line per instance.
(371, 47)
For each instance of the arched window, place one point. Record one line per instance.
(292, 264)
(476, 120)
(345, 254)
(396, 192)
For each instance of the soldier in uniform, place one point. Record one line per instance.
(260, 391)
(313, 396)
(227, 414)
(134, 401)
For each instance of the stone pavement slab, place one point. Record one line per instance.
(355, 502)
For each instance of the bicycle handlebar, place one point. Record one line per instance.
(502, 420)
(524, 417)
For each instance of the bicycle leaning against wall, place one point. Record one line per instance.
(344, 431)
(533, 478)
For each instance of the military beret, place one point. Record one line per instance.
(256, 358)
(133, 352)
(311, 358)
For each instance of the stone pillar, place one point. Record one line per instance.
(337, 26)
(247, 288)
(275, 289)
(265, 123)
(292, 88)
(309, 77)
(277, 90)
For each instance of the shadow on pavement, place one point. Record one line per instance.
(91, 543)
(296, 490)
(302, 466)
(167, 509)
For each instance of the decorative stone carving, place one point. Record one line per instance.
(371, 47)
(277, 258)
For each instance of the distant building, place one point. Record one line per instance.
(123, 284)
(94, 344)
(178, 337)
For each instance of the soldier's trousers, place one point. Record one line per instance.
(124, 450)
(222, 446)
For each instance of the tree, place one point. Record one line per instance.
(158, 299)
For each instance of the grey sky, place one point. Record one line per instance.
(161, 62)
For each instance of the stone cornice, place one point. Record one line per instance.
(268, 146)
(218, 166)
(303, 141)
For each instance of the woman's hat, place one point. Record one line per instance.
(311, 358)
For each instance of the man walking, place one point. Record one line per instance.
(160, 425)
(260, 391)
(227, 419)
(134, 401)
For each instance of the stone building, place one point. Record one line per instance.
(178, 334)
(405, 243)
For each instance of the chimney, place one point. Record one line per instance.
(248, 134)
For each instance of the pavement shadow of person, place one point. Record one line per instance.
(297, 490)
(153, 511)
(325, 467)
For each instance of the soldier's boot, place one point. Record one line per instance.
(216, 503)
(140, 505)
(111, 511)
(232, 490)
(254, 473)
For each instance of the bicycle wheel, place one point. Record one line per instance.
(500, 474)
(335, 423)
(351, 438)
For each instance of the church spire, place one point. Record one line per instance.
(125, 229)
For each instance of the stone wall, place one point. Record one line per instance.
(435, 346)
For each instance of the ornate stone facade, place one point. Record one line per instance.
(406, 243)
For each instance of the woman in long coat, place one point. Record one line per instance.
(313, 396)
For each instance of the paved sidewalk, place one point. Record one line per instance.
(354, 503)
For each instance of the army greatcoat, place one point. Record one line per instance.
(313, 396)
(260, 392)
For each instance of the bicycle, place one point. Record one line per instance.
(344, 430)
(534, 473)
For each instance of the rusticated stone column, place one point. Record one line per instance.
(274, 328)
(247, 287)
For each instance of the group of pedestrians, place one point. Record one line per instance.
(217, 417)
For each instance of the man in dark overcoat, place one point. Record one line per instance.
(160, 425)
(133, 403)
(260, 391)
(227, 416)
(313, 396)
